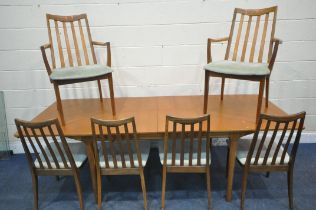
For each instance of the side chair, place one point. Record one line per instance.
(118, 151)
(70, 39)
(254, 64)
(53, 156)
(186, 150)
(271, 150)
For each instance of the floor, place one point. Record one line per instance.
(184, 191)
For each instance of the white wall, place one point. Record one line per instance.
(158, 48)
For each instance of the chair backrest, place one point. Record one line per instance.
(188, 135)
(118, 139)
(67, 33)
(258, 30)
(281, 131)
(46, 140)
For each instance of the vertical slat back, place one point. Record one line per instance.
(42, 140)
(272, 150)
(117, 142)
(238, 37)
(254, 40)
(263, 39)
(186, 140)
(246, 39)
(76, 46)
(74, 36)
(251, 35)
(68, 45)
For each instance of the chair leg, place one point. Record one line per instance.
(208, 183)
(206, 87)
(112, 94)
(164, 176)
(59, 104)
(222, 88)
(142, 180)
(100, 90)
(227, 159)
(99, 193)
(290, 187)
(243, 188)
(267, 91)
(260, 96)
(79, 190)
(35, 190)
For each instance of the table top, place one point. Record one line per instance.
(235, 114)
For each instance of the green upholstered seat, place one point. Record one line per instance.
(144, 148)
(243, 148)
(238, 68)
(186, 159)
(78, 151)
(80, 72)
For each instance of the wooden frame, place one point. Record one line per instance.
(272, 52)
(292, 124)
(26, 131)
(102, 131)
(192, 134)
(64, 20)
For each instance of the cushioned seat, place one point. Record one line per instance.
(186, 155)
(243, 148)
(238, 68)
(186, 159)
(78, 151)
(80, 72)
(127, 160)
(144, 148)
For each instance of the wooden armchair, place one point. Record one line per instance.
(53, 156)
(117, 151)
(78, 49)
(270, 150)
(247, 66)
(190, 153)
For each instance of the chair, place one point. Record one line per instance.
(246, 67)
(117, 151)
(270, 150)
(53, 156)
(80, 67)
(190, 153)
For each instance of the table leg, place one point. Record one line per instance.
(92, 164)
(233, 143)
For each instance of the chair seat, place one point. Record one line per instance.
(186, 154)
(78, 151)
(120, 162)
(144, 148)
(186, 159)
(80, 72)
(243, 148)
(238, 68)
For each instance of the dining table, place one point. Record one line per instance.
(231, 118)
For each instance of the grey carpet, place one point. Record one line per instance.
(184, 191)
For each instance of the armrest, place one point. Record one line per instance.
(43, 50)
(209, 43)
(108, 48)
(277, 40)
(274, 49)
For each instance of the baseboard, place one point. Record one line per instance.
(17, 148)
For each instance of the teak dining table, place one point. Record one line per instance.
(233, 118)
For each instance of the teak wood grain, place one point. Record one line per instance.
(232, 118)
